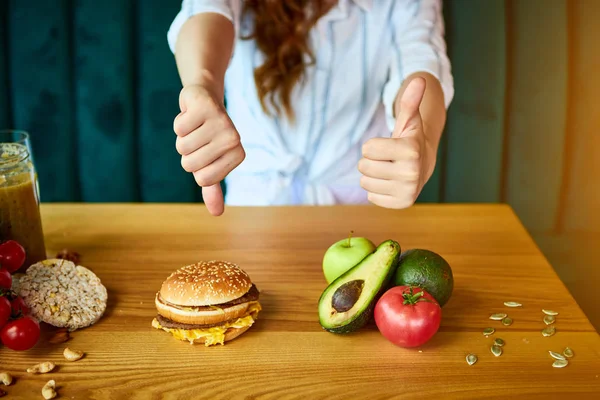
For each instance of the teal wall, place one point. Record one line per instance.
(96, 85)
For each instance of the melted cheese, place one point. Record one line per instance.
(214, 335)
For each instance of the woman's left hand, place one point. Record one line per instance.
(396, 169)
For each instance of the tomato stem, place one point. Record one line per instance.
(412, 298)
(8, 293)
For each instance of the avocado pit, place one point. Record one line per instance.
(346, 296)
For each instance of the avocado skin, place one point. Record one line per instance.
(365, 315)
(427, 270)
(358, 323)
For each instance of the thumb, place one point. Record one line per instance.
(187, 95)
(409, 115)
(213, 199)
(182, 102)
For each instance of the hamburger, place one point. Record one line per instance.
(209, 302)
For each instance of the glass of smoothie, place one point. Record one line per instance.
(19, 196)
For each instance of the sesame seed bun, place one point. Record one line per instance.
(205, 283)
(207, 294)
(232, 333)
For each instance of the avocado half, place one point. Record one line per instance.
(347, 303)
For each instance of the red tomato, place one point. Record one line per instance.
(12, 255)
(407, 316)
(20, 334)
(19, 308)
(4, 310)
(5, 279)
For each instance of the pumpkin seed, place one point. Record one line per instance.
(471, 359)
(499, 342)
(507, 321)
(549, 331)
(560, 363)
(549, 319)
(568, 353)
(498, 317)
(549, 312)
(496, 350)
(512, 304)
(556, 356)
(488, 331)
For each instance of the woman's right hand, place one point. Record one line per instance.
(208, 142)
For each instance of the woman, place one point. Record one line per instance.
(328, 102)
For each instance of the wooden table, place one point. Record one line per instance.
(286, 354)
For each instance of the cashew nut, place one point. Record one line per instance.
(60, 336)
(48, 390)
(6, 378)
(72, 355)
(41, 368)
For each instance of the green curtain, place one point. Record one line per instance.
(95, 84)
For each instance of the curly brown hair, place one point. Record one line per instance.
(281, 31)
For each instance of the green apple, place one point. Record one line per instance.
(345, 254)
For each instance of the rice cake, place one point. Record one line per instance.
(62, 294)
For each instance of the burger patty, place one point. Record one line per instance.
(167, 323)
(251, 295)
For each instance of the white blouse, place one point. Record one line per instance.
(364, 49)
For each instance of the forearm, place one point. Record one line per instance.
(433, 110)
(203, 50)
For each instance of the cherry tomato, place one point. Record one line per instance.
(12, 255)
(19, 308)
(4, 310)
(20, 334)
(407, 316)
(5, 279)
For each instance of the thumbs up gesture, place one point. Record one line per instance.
(395, 169)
